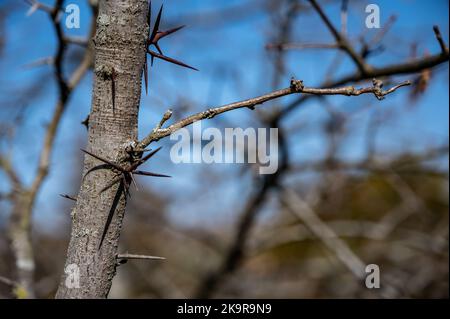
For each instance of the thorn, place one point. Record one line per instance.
(133, 256)
(152, 60)
(146, 74)
(113, 88)
(149, 16)
(163, 34)
(111, 184)
(166, 58)
(126, 185)
(68, 197)
(104, 160)
(86, 122)
(144, 173)
(156, 26)
(158, 48)
(134, 181)
(144, 159)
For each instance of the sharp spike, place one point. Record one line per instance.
(144, 159)
(164, 34)
(144, 173)
(146, 75)
(111, 184)
(156, 25)
(103, 160)
(149, 15)
(158, 48)
(166, 58)
(134, 181)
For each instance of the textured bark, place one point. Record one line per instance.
(119, 57)
(19, 232)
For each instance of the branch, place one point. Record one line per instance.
(6, 166)
(437, 32)
(36, 5)
(296, 87)
(303, 211)
(414, 66)
(75, 78)
(341, 40)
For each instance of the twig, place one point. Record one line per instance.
(303, 211)
(8, 282)
(301, 46)
(36, 5)
(344, 16)
(394, 69)
(295, 88)
(342, 40)
(437, 32)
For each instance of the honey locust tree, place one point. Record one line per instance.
(122, 43)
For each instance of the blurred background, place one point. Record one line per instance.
(360, 181)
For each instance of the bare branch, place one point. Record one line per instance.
(439, 38)
(295, 88)
(341, 40)
(303, 211)
(394, 69)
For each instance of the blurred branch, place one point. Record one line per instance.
(439, 38)
(328, 237)
(23, 198)
(303, 211)
(413, 66)
(341, 40)
(235, 253)
(400, 162)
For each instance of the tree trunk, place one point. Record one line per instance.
(119, 58)
(19, 232)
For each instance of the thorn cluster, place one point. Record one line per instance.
(126, 174)
(153, 39)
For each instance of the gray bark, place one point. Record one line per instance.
(119, 50)
(19, 232)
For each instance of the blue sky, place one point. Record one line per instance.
(233, 66)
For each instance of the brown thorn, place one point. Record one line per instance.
(166, 58)
(143, 160)
(438, 35)
(156, 25)
(144, 173)
(113, 88)
(158, 48)
(111, 184)
(104, 160)
(163, 34)
(149, 16)
(146, 74)
(134, 181)
(68, 197)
